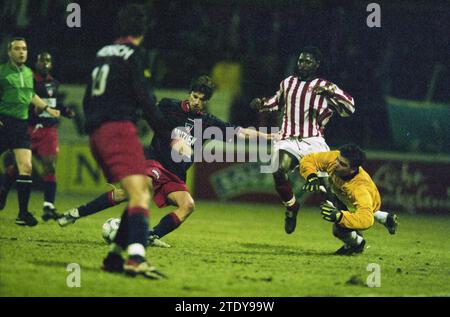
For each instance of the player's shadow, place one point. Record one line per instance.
(277, 249)
(45, 242)
(8, 238)
(64, 242)
(69, 242)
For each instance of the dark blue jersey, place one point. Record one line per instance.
(47, 89)
(190, 127)
(120, 89)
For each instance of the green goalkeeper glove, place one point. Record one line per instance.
(312, 183)
(330, 213)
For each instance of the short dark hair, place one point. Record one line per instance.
(353, 154)
(205, 85)
(314, 51)
(43, 53)
(17, 38)
(133, 20)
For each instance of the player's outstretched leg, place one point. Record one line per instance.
(354, 242)
(102, 202)
(387, 219)
(283, 186)
(136, 187)
(185, 203)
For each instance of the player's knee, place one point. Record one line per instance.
(284, 168)
(145, 196)
(187, 208)
(286, 162)
(335, 231)
(190, 206)
(25, 168)
(136, 187)
(340, 232)
(139, 197)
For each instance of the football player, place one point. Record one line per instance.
(165, 176)
(16, 95)
(43, 131)
(309, 102)
(357, 195)
(117, 96)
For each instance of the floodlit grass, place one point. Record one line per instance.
(226, 249)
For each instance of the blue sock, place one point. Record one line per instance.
(49, 191)
(166, 225)
(137, 225)
(100, 203)
(23, 184)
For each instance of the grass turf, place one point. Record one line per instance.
(226, 250)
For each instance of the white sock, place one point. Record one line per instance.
(49, 204)
(353, 239)
(359, 239)
(380, 216)
(136, 249)
(74, 213)
(290, 203)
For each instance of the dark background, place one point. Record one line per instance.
(187, 38)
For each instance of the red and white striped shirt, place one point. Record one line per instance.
(305, 112)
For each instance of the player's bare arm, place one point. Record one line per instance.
(253, 134)
(41, 106)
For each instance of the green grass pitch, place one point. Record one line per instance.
(226, 250)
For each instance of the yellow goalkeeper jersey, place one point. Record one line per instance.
(359, 194)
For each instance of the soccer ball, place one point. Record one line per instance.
(109, 229)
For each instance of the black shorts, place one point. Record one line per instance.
(13, 134)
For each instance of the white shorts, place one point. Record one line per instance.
(299, 147)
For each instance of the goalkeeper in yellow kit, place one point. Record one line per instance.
(357, 195)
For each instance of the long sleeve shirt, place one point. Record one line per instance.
(359, 194)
